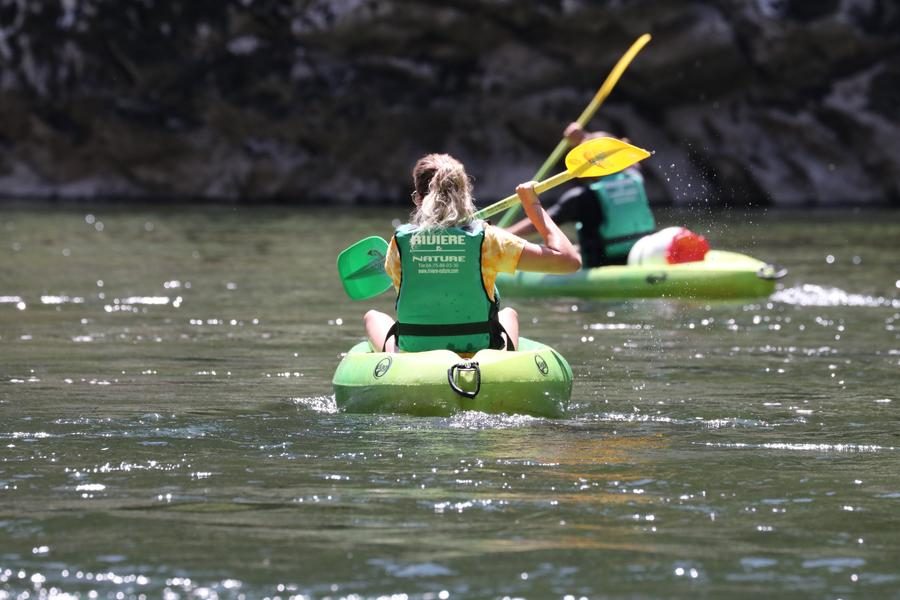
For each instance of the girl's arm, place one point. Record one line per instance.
(557, 254)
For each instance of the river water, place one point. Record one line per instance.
(167, 425)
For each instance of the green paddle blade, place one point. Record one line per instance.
(361, 268)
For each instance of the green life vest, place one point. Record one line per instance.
(626, 211)
(442, 302)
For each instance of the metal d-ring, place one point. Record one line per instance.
(464, 366)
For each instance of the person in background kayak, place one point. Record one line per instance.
(611, 213)
(443, 265)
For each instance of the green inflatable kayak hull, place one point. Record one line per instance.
(534, 380)
(721, 275)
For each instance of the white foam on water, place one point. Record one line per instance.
(319, 404)
(618, 326)
(720, 423)
(816, 295)
(148, 300)
(802, 447)
(63, 299)
(479, 420)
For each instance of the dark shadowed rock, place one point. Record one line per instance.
(759, 102)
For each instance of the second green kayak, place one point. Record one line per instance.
(721, 275)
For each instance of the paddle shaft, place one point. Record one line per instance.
(586, 115)
(540, 188)
(594, 105)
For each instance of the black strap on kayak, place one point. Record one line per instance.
(468, 366)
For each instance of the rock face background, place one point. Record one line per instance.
(746, 102)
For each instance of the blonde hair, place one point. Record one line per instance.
(445, 192)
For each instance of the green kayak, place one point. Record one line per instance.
(534, 380)
(721, 275)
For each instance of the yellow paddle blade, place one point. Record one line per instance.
(594, 158)
(603, 156)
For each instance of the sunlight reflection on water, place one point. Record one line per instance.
(193, 449)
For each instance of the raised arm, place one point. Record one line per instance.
(557, 254)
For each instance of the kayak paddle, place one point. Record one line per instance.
(586, 115)
(594, 158)
(361, 266)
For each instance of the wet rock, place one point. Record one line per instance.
(770, 102)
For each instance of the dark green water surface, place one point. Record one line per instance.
(168, 430)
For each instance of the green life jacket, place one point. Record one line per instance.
(442, 302)
(626, 211)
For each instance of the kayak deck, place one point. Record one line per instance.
(534, 380)
(721, 275)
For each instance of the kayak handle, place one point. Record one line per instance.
(771, 272)
(464, 367)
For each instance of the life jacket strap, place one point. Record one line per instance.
(493, 327)
(445, 329)
(392, 332)
(506, 341)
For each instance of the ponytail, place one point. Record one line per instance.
(445, 192)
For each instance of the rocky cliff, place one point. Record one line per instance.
(745, 102)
